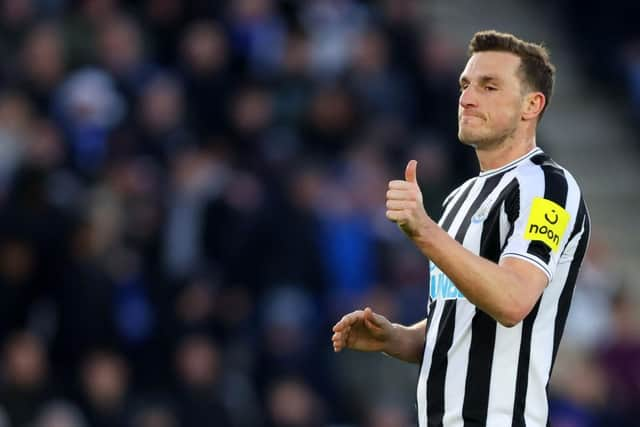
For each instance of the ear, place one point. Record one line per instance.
(533, 104)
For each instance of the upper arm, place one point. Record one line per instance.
(541, 215)
(531, 280)
(544, 213)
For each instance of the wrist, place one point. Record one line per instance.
(425, 233)
(392, 343)
(405, 343)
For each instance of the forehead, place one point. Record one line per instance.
(502, 65)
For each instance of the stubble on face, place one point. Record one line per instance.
(488, 119)
(486, 137)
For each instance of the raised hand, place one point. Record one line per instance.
(404, 202)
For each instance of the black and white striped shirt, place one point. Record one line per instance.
(476, 372)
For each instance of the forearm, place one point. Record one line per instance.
(493, 289)
(407, 342)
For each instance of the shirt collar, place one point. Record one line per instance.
(533, 152)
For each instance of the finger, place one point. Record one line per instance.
(399, 185)
(410, 171)
(400, 204)
(370, 317)
(342, 323)
(407, 194)
(371, 325)
(347, 320)
(396, 216)
(337, 345)
(341, 326)
(379, 319)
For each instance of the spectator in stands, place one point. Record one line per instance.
(27, 385)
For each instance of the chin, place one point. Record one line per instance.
(468, 139)
(475, 137)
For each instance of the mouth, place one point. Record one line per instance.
(469, 115)
(470, 118)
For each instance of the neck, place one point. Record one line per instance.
(494, 156)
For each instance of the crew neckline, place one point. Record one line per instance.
(533, 151)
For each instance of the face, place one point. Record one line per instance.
(491, 98)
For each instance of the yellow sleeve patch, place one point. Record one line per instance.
(547, 222)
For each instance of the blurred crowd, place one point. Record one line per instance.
(609, 45)
(192, 193)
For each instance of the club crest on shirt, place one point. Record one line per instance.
(483, 212)
(480, 215)
(440, 286)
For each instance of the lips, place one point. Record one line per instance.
(471, 119)
(469, 114)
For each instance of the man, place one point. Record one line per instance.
(503, 258)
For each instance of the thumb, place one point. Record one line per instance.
(410, 171)
(371, 317)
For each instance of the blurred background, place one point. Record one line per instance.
(192, 193)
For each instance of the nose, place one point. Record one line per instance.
(467, 98)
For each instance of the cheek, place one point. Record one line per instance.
(505, 114)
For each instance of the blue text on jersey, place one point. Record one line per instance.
(440, 286)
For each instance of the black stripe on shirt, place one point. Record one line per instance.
(490, 240)
(577, 226)
(439, 363)
(455, 192)
(444, 338)
(476, 391)
(487, 187)
(569, 286)
(555, 189)
(512, 210)
(432, 307)
(483, 326)
(567, 292)
(522, 377)
(454, 210)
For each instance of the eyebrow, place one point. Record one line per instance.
(484, 79)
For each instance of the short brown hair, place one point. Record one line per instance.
(536, 69)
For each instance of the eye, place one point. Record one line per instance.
(490, 88)
(463, 87)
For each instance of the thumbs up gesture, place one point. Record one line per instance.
(404, 202)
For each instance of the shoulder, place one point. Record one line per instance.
(544, 185)
(542, 170)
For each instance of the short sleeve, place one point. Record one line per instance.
(543, 214)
